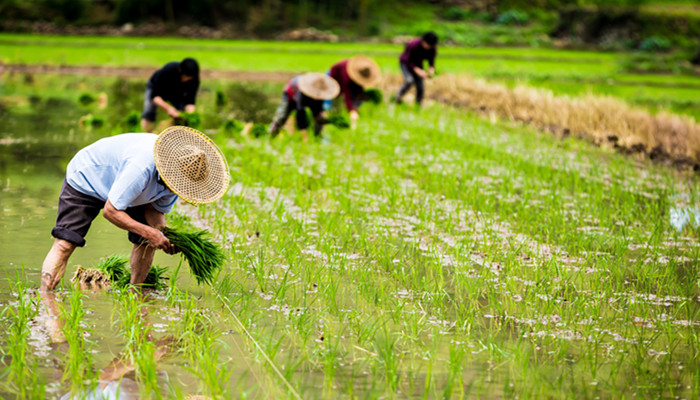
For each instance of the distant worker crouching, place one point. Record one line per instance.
(176, 83)
(301, 92)
(411, 62)
(354, 75)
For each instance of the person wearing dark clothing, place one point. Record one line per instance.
(302, 92)
(411, 62)
(177, 84)
(353, 76)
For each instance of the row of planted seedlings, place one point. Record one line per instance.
(192, 339)
(360, 178)
(571, 295)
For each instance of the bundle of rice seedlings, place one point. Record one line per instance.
(131, 122)
(374, 96)
(115, 268)
(259, 130)
(204, 257)
(86, 99)
(193, 120)
(233, 126)
(339, 120)
(156, 278)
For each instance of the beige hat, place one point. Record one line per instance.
(364, 71)
(318, 86)
(191, 165)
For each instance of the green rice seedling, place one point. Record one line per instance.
(204, 257)
(131, 121)
(220, 99)
(115, 267)
(258, 130)
(233, 126)
(78, 360)
(139, 348)
(339, 120)
(86, 99)
(21, 374)
(156, 278)
(374, 96)
(193, 119)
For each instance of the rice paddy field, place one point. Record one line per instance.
(565, 72)
(431, 253)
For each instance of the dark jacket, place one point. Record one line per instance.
(414, 54)
(167, 84)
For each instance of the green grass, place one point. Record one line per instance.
(575, 71)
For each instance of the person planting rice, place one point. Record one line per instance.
(302, 92)
(176, 83)
(354, 75)
(135, 178)
(411, 62)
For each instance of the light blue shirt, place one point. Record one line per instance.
(120, 169)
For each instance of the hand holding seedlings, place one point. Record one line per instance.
(158, 240)
(136, 178)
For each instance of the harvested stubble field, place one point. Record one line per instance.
(428, 254)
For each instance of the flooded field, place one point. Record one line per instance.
(429, 254)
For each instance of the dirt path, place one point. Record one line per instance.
(143, 72)
(261, 76)
(470, 97)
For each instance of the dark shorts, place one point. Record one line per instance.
(149, 108)
(76, 211)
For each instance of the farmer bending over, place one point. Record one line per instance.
(176, 83)
(354, 75)
(308, 90)
(411, 62)
(136, 178)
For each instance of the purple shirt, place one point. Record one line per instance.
(415, 54)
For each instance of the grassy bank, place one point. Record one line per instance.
(564, 72)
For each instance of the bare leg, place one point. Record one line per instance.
(55, 264)
(52, 320)
(146, 125)
(141, 260)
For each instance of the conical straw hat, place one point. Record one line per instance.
(364, 71)
(318, 86)
(191, 165)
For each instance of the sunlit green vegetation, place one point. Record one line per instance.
(565, 72)
(430, 253)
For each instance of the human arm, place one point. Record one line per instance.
(172, 111)
(431, 62)
(155, 237)
(354, 116)
(420, 72)
(190, 108)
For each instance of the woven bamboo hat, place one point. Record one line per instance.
(318, 86)
(191, 165)
(364, 71)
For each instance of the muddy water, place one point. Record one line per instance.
(36, 143)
